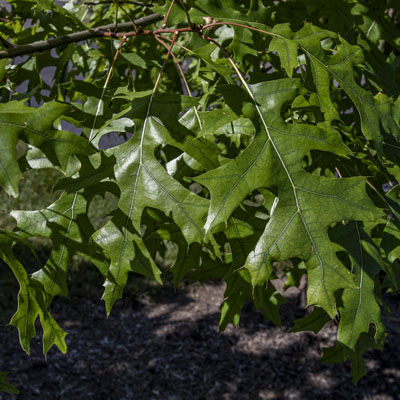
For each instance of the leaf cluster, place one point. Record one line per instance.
(261, 139)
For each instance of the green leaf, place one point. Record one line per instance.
(359, 308)
(66, 223)
(32, 302)
(6, 386)
(287, 49)
(188, 257)
(374, 111)
(135, 60)
(314, 321)
(339, 353)
(215, 119)
(308, 37)
(227, 10)
(238, 291)
(145, 183)
(243, 232)
(35, 125)
(296, 228)
(44, 4)
(127, 253)
(268, 300)
(209, 268)
(204, 50)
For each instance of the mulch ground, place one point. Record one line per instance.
(168, 347)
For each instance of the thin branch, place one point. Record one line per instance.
(116, 16)
(176, 33)
(226, 52)
(149, 32)
(6, 44)
(100, 31)
(167, 15)
(338, 172)
(235, 67)
(187, 14)
(118, 5)
(97, 3)
(104, 88)
(185, 82)
(179, 45)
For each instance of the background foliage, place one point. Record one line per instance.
(266, 132)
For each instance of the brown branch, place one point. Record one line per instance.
(100, 31)
(223, 49)
(97, 3)
(178, 44)
(176, 34)
(178, 66)
(149, 32)
(167, 15)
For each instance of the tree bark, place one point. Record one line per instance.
(78, 37)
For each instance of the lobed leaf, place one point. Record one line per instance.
(296, 228)
(145, 183)
(374, 111)
(32, 302)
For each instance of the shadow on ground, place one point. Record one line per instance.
(168, 347)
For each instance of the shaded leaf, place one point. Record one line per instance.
(359, 308)
(32, 303)
(314, 321)
(6, 386)
(66, 223)
(374, 111)
(145, 183)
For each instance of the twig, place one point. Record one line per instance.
(116, 16)
(226, 53)
(176, 33)
(149, 32)
(118, 5)
(185, 82)
(6, 44)
(187, 14)
(179, 45)
(167, 15)
(111, 30)
(184, 9)
(105, 87)
(338, 172)
(237, 70)
(100, 31)
(96, 3)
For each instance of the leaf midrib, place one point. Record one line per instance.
(133, 198)
(294, 188)
(64, 243)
